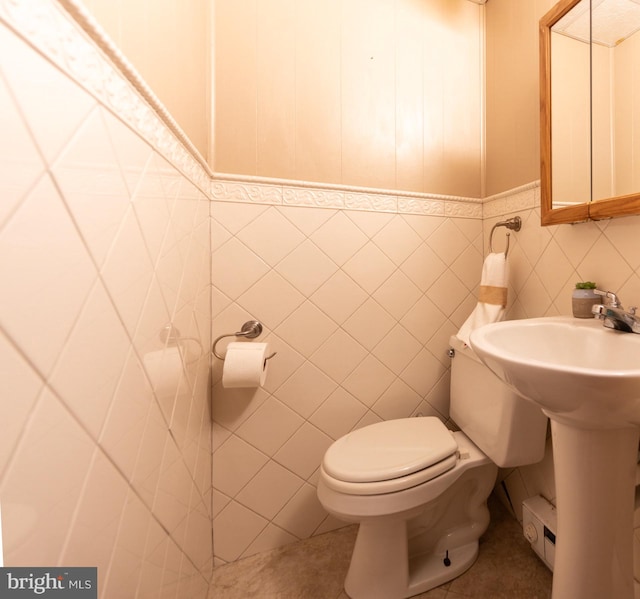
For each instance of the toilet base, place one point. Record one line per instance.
(378, 573)
(406, 554)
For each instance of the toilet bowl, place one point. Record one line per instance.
(419, 490)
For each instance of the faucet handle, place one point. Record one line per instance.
(609, 297)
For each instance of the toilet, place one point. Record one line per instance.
(419, 491)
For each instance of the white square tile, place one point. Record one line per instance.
(423, 319)
(93, 186)
(126, 422)
(32, 78)
(219, 502)
(534, 298)
(303, 514)
(577, 241)
(448, 241)
(398, 401)
(235, 463)
(128, 551)
(219, 235)
(303, 453)
(307, 219)
(90, 366)
(21, 386)
(231, 407)
(338, 414)
(306, 389)
(397, 240)
(20, 162)
(236, 528)
(557, 271)
(171, 502)
(97, 520)
(447, 292)
(423, 372)
(369, 267)
(397, 294)
(236, 216)
(339, 355)
(532, 239)
(270, 426)
(306, 329)
(339, 297)
(132, 151)
(604, 265)
(235, 268)
(397, 349)
(369, 380)
(271, 299)
(42, 256)
(52, 438)
(128, 272)
(271, 236)
(369, 223)
(424, 226)
(269, 490)
(339, 238)
(369, 324)
(439, 395)
(623, 233)
(423, 267)
(306, 268)
(468, 267)
(153, 318)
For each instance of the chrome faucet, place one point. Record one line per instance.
(613, 315)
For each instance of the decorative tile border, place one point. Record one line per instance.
(259, 190)
(67, 35)
(520, 198)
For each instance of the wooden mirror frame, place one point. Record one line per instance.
(626, 205)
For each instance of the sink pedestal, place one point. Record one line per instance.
(595, 486)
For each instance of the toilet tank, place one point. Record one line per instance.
(509, 429)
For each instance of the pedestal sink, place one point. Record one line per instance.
(586, 378)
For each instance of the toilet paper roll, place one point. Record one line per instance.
(245, 365)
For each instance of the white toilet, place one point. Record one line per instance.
(419, 491)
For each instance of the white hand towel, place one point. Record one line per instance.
(492, 299)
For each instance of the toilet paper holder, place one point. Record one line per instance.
(250, 330)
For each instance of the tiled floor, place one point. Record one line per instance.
(315, 568)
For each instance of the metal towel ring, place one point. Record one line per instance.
(250, 330)
(513, 224)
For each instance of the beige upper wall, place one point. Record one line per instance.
(376, 94)
(512, 93)
(167, 41)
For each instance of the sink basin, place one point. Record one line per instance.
(574, 369)
(586, 378)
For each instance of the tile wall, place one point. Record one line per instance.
(359, 305)
(105, 453)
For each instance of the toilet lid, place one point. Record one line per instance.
(388, 450)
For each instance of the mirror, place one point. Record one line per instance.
(590, 110)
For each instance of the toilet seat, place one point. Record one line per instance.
(389, 456)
